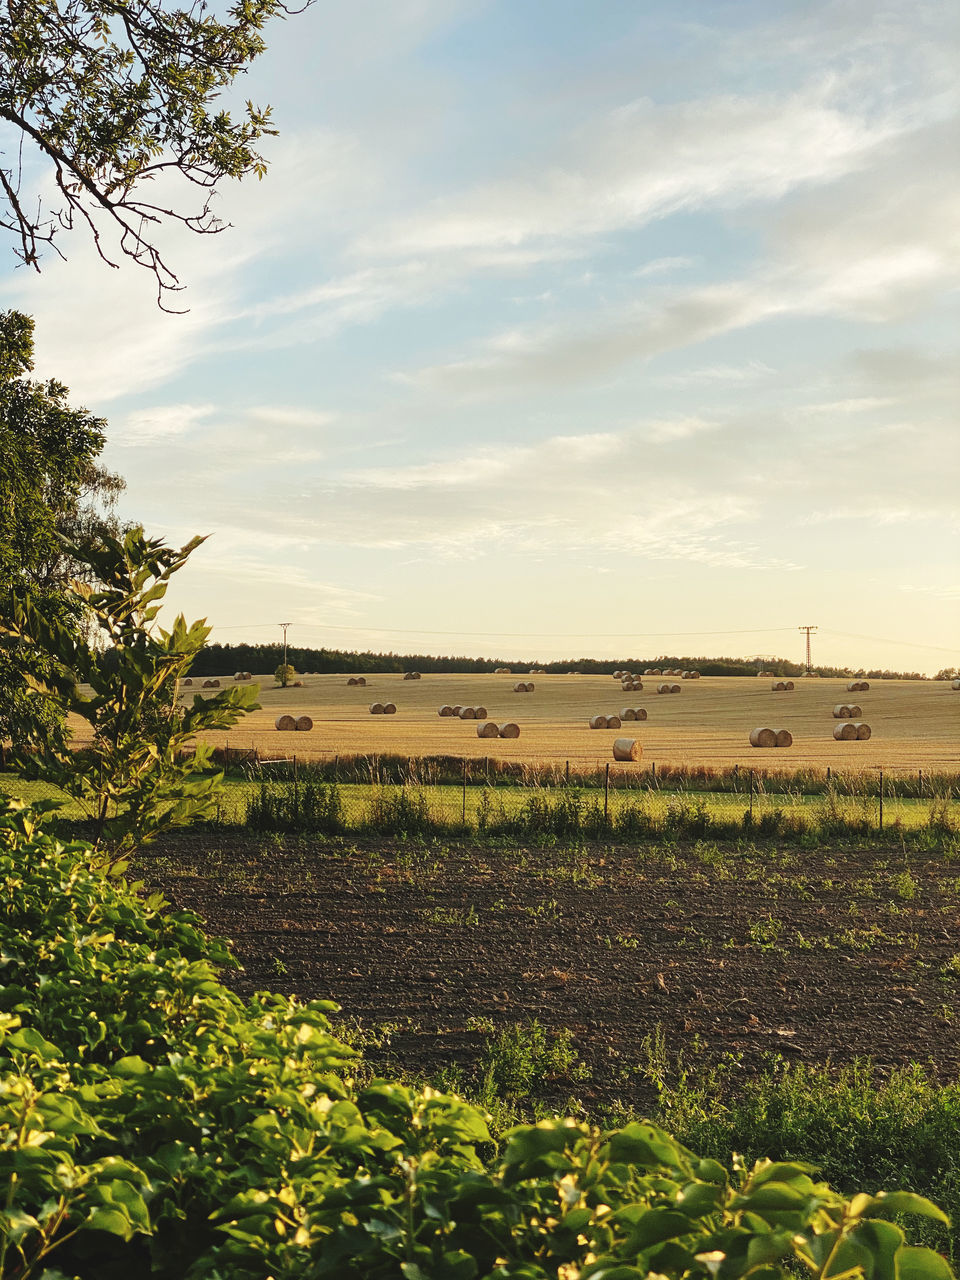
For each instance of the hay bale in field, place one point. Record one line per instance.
(778, 686)
(613, 722)
(186, 683)
(376, 708)
(285, 723)
(238, 675)
(863, 730)
(509, 730)
(519, 687)
(853, 686)
(480, 713)
(361, 681)
(674, 688)
(640, 713)
(763, 737)
(854, 711)
(389, 708)
(954, 684)
(352, 680)
(626, 749)
(691, 675)
(445, 711)
(411, 675)
(487, 729)
(618, 675)
(530, 686)
(598, 722)
(298, 684)
(247, 675)
(207, 684)
(841, 711)
(304, 724)
(468, 713)
(628, 713)
(845, 732)
(663, 688)
(784, 738)
(789, 686)
(501, 671)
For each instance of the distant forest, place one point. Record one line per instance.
(224, 659)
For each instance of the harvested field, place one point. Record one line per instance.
(916, 724)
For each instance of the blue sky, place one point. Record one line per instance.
(560, 329)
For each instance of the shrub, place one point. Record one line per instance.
(153, 1123)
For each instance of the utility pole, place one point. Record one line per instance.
(283, 672)
(809, 670)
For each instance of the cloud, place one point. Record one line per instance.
(160, 423)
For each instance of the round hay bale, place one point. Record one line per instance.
(411, 675)
(854, 711)
(663, 688)
(238, 675)
(641, 713)
(509, 730)
(480, 713)
(853, 686)
(352, 680)
(455, 711)
(376, 708)
(598, 722)
(187, 683)
(845, 732)
(618, 675)
(468, 713)
(247, 675)
(674, 688)
(304, 724)
(298, 684)
(841, 711)
(763, 737)
(519, 687)
(445, 711)
(778, 686)
(530, 686)
(954, 685)
(789, 686)
(864, 686)
(628, 713)
(285, 723)
(361, 680)
(627, 686)
(389, 708)
(784, 738)
(207, 684)
(626, 749)
(501, 671)
(613, 722)
(487, 729)
(863, 731)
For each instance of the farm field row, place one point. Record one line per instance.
(915, 724)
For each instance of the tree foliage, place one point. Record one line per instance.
(50, 484)
(118, 97)
(143, 772)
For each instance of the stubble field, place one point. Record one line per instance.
(915, 724)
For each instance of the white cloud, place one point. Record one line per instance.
(157, 424)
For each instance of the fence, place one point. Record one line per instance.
(452, 794)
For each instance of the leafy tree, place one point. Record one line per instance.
(284, 674)
(118, 97)
(50, 484)
(143, 773)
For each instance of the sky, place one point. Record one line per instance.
(559, 329)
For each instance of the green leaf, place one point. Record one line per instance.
(891, 1202)
(922, 1264)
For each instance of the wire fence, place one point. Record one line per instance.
(451, 794)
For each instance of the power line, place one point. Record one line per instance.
(559, 635)
(909, 644)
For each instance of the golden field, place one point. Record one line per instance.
(915, 724)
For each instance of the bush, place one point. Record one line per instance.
(153, 1123)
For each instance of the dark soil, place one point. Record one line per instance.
(812, 954)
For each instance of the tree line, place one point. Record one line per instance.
(220, 659)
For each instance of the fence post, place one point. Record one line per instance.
(296, 791)
(919, 784)
(881, 799)
(653, 772)
(751, 795)
(463, 805)
(606, 795)
(567, 774)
